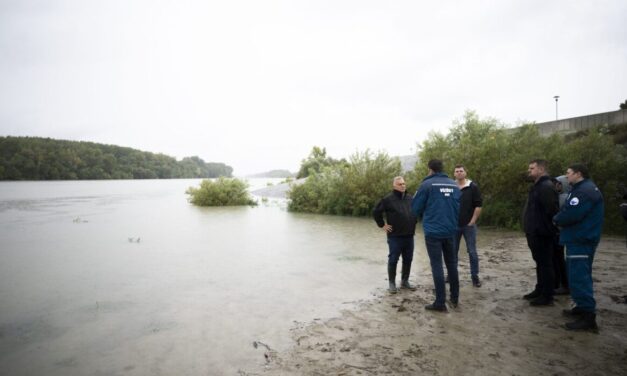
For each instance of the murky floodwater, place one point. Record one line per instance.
(128, 278)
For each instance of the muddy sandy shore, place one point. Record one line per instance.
(492, 332)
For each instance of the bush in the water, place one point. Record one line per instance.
(220, 192)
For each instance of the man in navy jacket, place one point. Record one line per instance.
(581, 221)
(437, 202)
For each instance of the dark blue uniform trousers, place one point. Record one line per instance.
(579, 260)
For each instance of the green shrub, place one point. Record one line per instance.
(220, 192)
(497, 159)
(316, 162)
(351, 188)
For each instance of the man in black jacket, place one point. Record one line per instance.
(542, 204)
(469, 211)
(400, 229)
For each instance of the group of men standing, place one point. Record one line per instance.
(450, 209)
(577, 225)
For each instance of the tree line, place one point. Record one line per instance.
(496, 158)
(35, 158)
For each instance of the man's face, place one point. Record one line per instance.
(535, 171)
(460, 173)
(399, 185)
(572, 176)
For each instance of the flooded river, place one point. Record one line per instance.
(128, 278)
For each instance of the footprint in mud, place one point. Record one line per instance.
(414, 351)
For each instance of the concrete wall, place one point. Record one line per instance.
(565, 126)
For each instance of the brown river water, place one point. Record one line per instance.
(128, 278)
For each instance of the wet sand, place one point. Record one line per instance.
(492, 332)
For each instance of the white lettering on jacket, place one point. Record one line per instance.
(447, 191)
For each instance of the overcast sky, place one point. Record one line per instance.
(255, 84)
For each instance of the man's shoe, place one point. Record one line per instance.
(433, 307)
(454, 303)
(562, 291)
(541, 301)
(532, 295)
(573, 312)
(392, 288)
(586, 321)
(406, 285)
(476, 281)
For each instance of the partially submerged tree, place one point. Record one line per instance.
(221, 192)
(315, 162)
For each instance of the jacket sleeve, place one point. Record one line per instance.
(377, 213)
(574, 210)
(477, 200)
(549, 200)
(419, 201)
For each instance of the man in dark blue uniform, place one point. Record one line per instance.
(400, 229)
(581, 221)
(437, 202)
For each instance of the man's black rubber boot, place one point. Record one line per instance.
(532, 295)
(476, 281)
(433, 307)
(392, 279)
(405, 278)
(408, 286)
(586, 321)
(573, 312)
(541, 301)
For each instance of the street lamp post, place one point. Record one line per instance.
(556, 98)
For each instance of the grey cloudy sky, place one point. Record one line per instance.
(256, 84)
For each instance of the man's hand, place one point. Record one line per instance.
(387, 228)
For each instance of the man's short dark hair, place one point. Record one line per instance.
(460, 166)
(436, 165)
(580, 168)
(541, 163)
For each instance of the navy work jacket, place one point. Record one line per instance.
(581, 217)
(437, 202)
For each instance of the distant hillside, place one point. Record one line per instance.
(408, 162)
(273, 174)
(35, 158)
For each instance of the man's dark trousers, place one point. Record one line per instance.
(400, 246)
(438, 249)
(542, 252)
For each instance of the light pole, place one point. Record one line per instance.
(556, 98)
